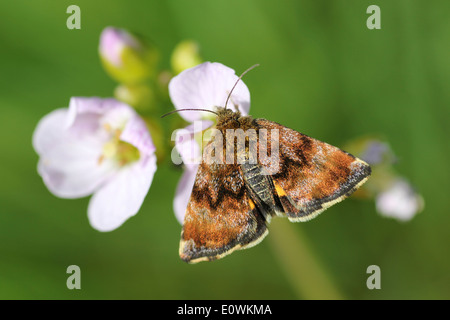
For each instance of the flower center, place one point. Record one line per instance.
(121, 151)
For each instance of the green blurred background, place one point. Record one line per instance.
(323, 72)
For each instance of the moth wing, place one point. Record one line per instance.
(310, 175)
(220, 217)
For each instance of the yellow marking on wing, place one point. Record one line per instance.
(280, 191)
(252, 204)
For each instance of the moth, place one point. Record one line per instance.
(231, 204)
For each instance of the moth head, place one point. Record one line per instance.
(228, 119)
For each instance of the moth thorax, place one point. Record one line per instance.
(241, 146)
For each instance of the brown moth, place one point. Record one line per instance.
(245, 178)
(231, 204)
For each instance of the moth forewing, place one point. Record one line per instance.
(245, 178)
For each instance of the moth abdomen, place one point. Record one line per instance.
(260, 187)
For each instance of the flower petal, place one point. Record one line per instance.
(137, 134)
(112, 42)
(183, 193)
(399, 201)
(48, 130)
(187, 145)
(122, 197)
(96, 108)
(207, 86)
(69, 163)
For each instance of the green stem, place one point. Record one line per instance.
(303, 270)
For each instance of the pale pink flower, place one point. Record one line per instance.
(205, 86)
(394, 195)
(399, 201)
(100, 147)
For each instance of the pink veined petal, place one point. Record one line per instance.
(69, 163)
(198, 126)
(207, 86)
(187, 144)
(49, 130)
(112, 42)
(122, 197)
(137, 134)
(189, 151)
(183, 193)
(94, 106)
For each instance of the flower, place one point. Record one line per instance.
(205, 86)
(394, 196)
(126, 57)
(399, 201)
(100, 147)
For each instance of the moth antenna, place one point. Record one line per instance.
(174, 111)
(235, 84)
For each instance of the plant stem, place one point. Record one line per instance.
(308, 278)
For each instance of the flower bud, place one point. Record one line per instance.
(374, 150)
(126, 57)
(139, 96)
(185, 55)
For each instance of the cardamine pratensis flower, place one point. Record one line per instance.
(127, 58)
(394, 195)
(100, 147)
